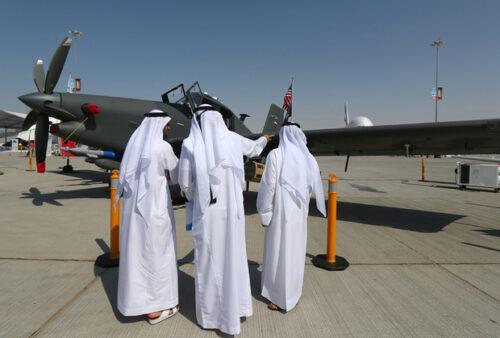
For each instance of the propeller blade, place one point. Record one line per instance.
(56, 65)
(41, 139)
(39, 75)
(29, 120)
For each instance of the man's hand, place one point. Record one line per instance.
(269, 137)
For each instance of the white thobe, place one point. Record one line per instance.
(285, 237)
(222, 281)
(147, 280)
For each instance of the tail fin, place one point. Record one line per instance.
(346, 114)
(274, 120)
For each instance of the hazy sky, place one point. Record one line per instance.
(375, 54)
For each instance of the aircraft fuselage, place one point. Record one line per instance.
(109, 129)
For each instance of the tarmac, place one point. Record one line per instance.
(425, 257)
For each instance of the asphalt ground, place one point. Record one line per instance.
(425, 257)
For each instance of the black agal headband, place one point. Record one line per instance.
(156, 115)
(288, 123)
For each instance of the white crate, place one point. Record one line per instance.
(478, 175)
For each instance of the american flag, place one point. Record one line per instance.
(287, 102)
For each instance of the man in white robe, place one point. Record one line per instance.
(211, 176)
(290, 176)
(147, 280)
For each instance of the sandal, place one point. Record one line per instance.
(165, 314)
(273, 307)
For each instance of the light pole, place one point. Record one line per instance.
(73, 81)
(437, 43)
(75, 33)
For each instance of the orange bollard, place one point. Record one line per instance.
(423, 169)
(114, 248)
(330, 261)
(30, 159)
(332, 220)
(112, 258)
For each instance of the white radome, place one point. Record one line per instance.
(360, 121)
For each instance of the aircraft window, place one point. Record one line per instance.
(194, 95)
(175, 95)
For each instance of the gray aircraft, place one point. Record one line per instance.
(107, 123)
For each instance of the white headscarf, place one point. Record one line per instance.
(212, 151)
(300, 173)
(202, 191)
(138, 162)
(220, 149)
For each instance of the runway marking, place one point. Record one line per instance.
(469, 283)
(71, 301)
(440, 265)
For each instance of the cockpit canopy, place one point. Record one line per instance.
(187, 100)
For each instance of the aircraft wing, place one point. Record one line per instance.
(460, 137)
(477, 158)
(11, 120)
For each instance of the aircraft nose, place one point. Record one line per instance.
(29, 99)
(37, 101)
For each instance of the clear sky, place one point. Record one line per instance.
(374, 54)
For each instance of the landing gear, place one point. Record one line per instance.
(68, 168)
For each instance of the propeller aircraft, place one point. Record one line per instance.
(107, 123)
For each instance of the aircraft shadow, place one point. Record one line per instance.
(366, 188)
(435, 184)
(484, 205)
(398, 218)
(434, 181)
(481, 246)
(443, 185)
(489, 232)
(52, 198)
(85, 177)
